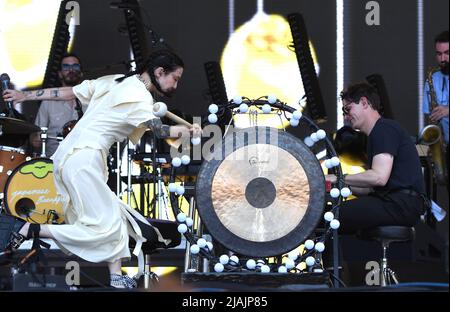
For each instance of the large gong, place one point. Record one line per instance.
(260, 192)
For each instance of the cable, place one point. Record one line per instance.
(338, 279)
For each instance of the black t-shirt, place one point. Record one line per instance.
(388, 136)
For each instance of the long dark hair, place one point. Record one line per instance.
(164, 58)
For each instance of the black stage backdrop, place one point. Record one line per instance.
(198, 31)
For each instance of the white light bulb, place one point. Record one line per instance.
(181, 217)
(289, 264)
(259, 262)
(272, 99)
(213, 108)
(172, 187)
(189, 221)
(176, 161)
(314, 137)
(334, 193)
(320, 247)
(294, 122)
(293, 255)
(201, 242)
(335, 161)
(196, 140)
(212, 118)
(234, 260)
(224, 259)
(310, 261)
(334, 224)
(195, 249)
(185, 159)
(328, 163)
(180, 190)
(266, 108)
(321, 134)
(251, 264)
(243, 108)
(297, 115)
(182, 228)
(209, 245)
(309, 142)
(328, 216)
(282, 269)
(345, 192)
(237, 99)
(309, 244)
(265, 269)
(218, 267)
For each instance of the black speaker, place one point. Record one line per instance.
(315, 104)
(218, 91)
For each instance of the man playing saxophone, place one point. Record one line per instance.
(435, 100)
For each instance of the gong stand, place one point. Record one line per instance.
(259, 201)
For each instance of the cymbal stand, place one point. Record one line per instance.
(162, 197)
(44, 138)
(129, 166)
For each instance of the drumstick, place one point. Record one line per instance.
(178, 119)
(160, 110)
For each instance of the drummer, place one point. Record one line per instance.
(55, 117)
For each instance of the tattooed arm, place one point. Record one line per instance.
(165, 131)
(58, 94)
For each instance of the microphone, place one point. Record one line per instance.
(5, 82)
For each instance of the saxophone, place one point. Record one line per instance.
(432, 136)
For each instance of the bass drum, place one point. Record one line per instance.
(30, 193)
(261, 192)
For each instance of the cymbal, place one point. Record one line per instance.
(16, 126)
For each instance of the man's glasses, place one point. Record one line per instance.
(74, 67)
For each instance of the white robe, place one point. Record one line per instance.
(98, 224)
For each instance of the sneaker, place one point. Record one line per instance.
(122, 281)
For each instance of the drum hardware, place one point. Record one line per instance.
(43, 141)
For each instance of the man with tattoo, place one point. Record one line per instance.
(55, 117)
(98, 224)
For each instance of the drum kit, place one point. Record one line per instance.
(26, 183)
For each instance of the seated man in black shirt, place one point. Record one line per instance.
(390, 191)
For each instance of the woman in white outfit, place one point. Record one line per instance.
(98, 224)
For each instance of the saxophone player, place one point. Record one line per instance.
(435, 100)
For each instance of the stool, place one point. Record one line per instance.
(168, 230)
(386, 235)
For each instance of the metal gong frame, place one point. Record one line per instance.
(297, 236)
(235, 242)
